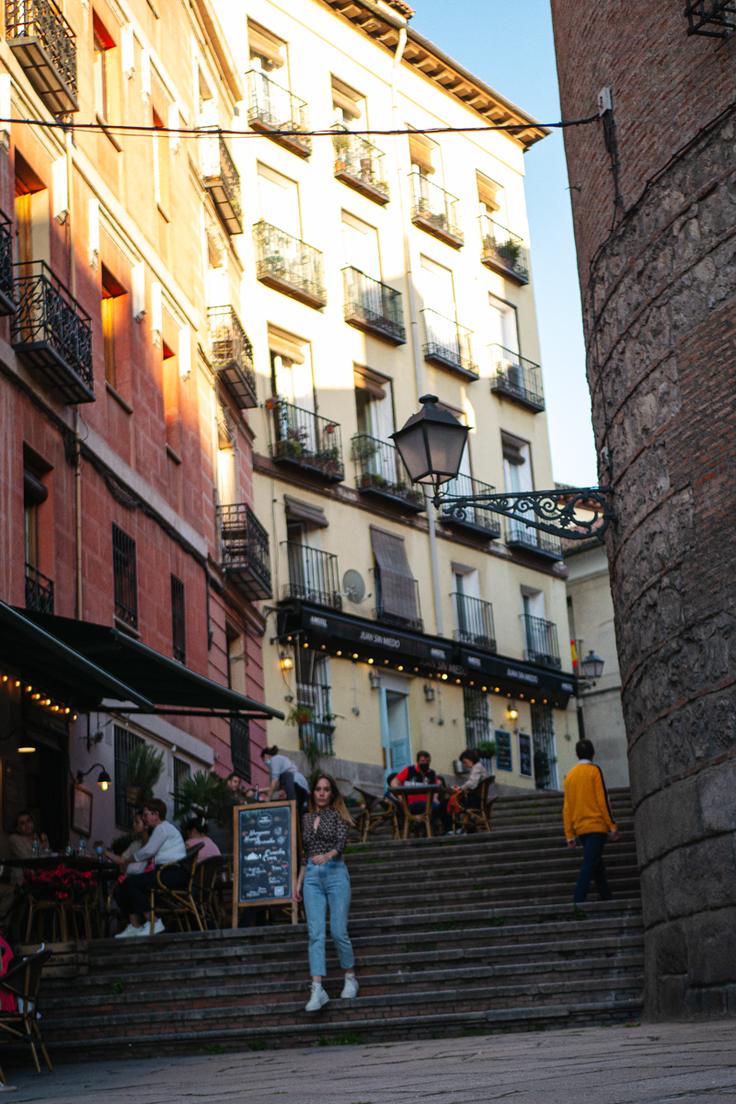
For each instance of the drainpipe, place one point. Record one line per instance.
(415, 338)
(79, 589)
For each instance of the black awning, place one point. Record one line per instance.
(162, 680)
(56, 667)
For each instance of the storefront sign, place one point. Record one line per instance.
(525, 754)
(504, 760)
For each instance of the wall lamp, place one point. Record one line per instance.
(374, 679)
(591, 668)
(286, 663)
(428, 692)
(512, 713)
(104, 781)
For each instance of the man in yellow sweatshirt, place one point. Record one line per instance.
(586, 816)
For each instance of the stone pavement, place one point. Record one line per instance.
(641, 1064)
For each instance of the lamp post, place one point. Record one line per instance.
(431, 446)
(591, 668)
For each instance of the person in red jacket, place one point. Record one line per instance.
(587, 817)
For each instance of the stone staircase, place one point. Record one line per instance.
(457, 935)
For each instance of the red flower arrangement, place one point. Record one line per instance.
(60, 883)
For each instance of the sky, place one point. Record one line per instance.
(510, 47)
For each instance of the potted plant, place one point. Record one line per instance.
(341, 143)
(300, 714)
(145, 765)
(204, 795)
(364, 448)
(510, 250)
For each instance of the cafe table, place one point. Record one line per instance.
(417, 789)
(64, 908)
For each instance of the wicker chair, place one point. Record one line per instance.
(377, 811)
(179, 903)
(23, 981)
(207, 891)
(477, 817)
(416, 814)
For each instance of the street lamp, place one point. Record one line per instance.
(591, 668)
(431, 445)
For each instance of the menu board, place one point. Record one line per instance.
(525, 754)
(264, 856)
(503, 750)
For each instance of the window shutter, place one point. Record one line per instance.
(347, 99)
(313, 517)
(286, 345)
(366, 379)
(487, 192)
(263, 44)
(420, 153)
(398, 586)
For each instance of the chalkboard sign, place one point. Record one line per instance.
(525, 754)
(264, 856)
(503, 750)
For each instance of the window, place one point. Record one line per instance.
(227, 469)
(490, 195)
(239, 726)
(178, 620)
(347, 104)
(39, 590)
(437, 287)
(314, 692)
(525, 754)
(360, 246)
(172, 400)
(478, 729)
(267, 51)
(125, 578)
(291, 368)
(103, 44)
(543, 739)
(397, 591)
(182, 771)
(124, 743)
(240, 747)
(110, 309)
(503, 328)
(517, 469)
(278, 198)
(30, 193)
(161, 167)
(423, 154)
(374, 403)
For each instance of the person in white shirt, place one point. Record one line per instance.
(285, 776)
(165, 845)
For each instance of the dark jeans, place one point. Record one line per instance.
(293, 791)
(133, 895)
(592, 868)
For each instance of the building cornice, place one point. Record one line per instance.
(385, 26)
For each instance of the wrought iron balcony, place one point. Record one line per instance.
(52, 333)
(519, 535)
(401, 607)
(306, 440)
(380, 473)
(472, 519)
(313, 575)
(221, 179)
(232, 355)
(712, 18)
(360, 165)
(45, 47)
(373, 306)
(434, 210)
(39, 591)
(271, 107)
(540, 639)
(474, 622)
(318, 731)
(504, 251)
(8, 304)
(516, 377)
(244, 543)
(289, 265)
(448, 344)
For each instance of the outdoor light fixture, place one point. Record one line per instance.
(431, 445)
(592, 666)
(25, 749)
(104, 781)
(512, 713)
(374, 679)
(428, 693)
(286, 663)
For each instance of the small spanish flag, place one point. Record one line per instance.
(574, 655)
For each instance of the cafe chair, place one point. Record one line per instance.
(22, 982)
(178, 903)
(48, 918)
(477, 818)
(207, 891)
(377, 811)
(419, 814)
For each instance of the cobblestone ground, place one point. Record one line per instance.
(656, 1064)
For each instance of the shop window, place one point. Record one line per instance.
(125, 578)
(124, 743)
(178, 620)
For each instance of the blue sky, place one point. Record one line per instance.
(510, 46)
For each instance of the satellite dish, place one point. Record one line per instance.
(353, 586)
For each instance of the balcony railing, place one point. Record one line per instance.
(53, 333)
(306, 440)
(434, 209)
(400, 606)
(380, 473)
(712, 18)
(313, 575)
(45, 47)
(504, 251)
(448, 344)
(271, 107)
(519, 535)
(373, 306)
(287, 264)
(481, 522)
(232, 355)
(244, 543)
(540, 639)
(518, 378)
(359, 164)
(222, 180)
(474, 621)
(8, 304)
(39, 591)
(317, 732)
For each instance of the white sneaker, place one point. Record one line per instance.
(158, 927)
(317, 1000)
(350, 988)
(127, 932)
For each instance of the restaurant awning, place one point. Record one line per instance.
(174, 688)
(46, 661)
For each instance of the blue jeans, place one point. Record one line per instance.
(592, 868)
(327, 884)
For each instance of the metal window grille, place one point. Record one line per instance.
(182, 771)
(125, 577)
(178, 620)
(124, 743)
(478, 728)
(543, 737)
(240, 747)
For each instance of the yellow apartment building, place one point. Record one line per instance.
(376, 269)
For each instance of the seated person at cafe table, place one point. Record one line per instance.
(165, 845)
(467, 795)
(21, 843)
(124, 860)
(194, 833)
(419, 774)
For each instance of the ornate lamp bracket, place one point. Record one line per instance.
(574, 513)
